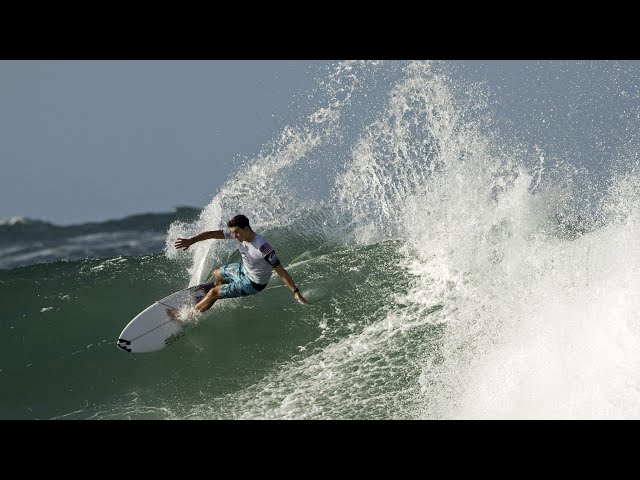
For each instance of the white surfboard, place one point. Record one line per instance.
(153, 328)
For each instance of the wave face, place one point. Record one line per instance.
(455, 268)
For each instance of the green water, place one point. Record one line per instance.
(61, 321)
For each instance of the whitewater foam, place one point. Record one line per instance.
(520, 297)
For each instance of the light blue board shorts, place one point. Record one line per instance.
(239, 284)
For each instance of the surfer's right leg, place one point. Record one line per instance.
(240, 284)
(233, 283)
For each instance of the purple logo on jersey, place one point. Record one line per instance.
(272, 259)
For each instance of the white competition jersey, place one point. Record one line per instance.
(258, 257)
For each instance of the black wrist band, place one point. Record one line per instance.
(297, 290)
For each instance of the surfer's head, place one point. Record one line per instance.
(239, 226)
(239, 221)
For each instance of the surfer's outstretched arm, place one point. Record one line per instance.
(185, 243)
(286, 278)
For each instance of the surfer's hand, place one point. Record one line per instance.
(298, 296)
(184, 243)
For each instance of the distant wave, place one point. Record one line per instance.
(25, 241)
(19, 221)
(176, 213)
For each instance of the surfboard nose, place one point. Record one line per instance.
(124, 344)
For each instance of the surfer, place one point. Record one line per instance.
(246, 278)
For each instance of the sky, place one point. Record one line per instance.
(102, 139)
(95, 140)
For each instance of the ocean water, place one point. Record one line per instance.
(469, 245)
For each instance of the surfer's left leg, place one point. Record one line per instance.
(219, 278)
(209, 299)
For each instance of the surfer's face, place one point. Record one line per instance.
(241, 234)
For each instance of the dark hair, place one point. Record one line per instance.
(239, 221)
